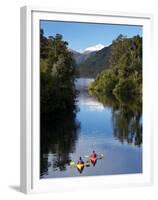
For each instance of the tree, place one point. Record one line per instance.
(57, 70)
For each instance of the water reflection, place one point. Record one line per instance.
(127, 127)
(126, 118)
(58, 138)
(90, 103)
(103, 124)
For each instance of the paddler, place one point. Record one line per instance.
(93, 155)
(80, 161)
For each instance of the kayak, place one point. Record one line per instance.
(89, 159)
(80, 166)
(93, 159)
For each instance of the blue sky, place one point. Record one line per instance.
(83, 35)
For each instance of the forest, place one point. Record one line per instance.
(57, 76)
(123, 79)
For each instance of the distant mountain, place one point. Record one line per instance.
(95, 63)
(81, 57)
(86, 53)
(92, 60)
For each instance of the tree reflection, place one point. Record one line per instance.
(126, 118)
(127, 126)
(58, 137)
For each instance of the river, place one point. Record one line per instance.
(93, 128)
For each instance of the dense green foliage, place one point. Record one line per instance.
(57, 73)
(123, 80)
(120, 87)
(95, 63)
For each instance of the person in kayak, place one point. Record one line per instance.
(80, 161)
(93, 158)
(93, 155)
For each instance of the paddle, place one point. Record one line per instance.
(99, 156)
(73, 164)
(87, 163)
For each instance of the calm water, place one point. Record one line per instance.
(95, 127)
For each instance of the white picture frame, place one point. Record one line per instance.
(30, 146)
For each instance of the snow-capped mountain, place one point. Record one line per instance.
(92, 60)
(97, 47)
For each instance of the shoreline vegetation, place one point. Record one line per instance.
(123, 79)
(120, 87)
(57, 76)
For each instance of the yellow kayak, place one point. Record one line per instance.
(80, 166)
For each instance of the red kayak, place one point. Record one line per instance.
(93, 159)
